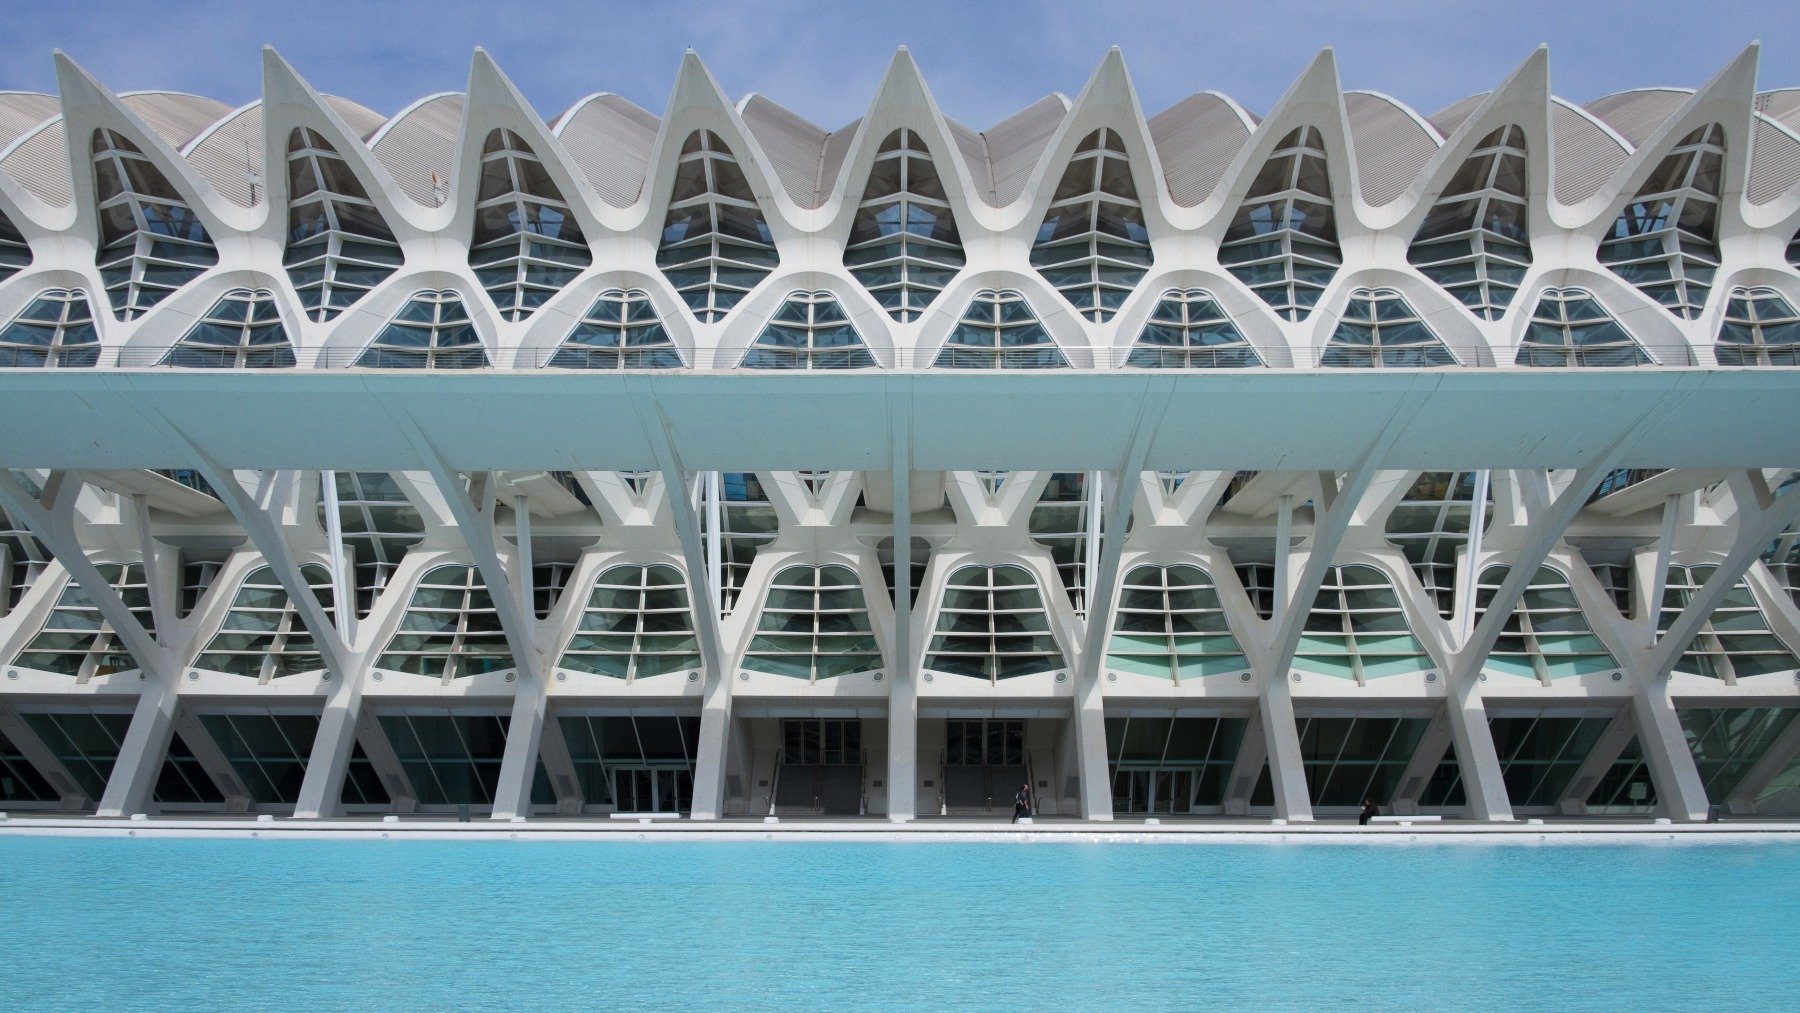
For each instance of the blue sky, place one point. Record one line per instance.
(983, 61)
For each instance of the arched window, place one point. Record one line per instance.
(1476, 240)
(1735, 642)
(904, 246)
(379, 525)
(432, 331)
(1093, 246)
(1380, 329)
(1430, 523)
(1357, 629)
(814, 625)
(15, 252)
(1283, 241)
(242, 331)
(1760, 329)
(1547, 637)
(450, 628)
(1666, 240)
(1783, 557)
(1570, 327)
(619, 331)
(22, 558)
(262, 636)
(54, 329)
(992, 625)
(151, 242)
(1171, 624)
(999, 331)
(809, 331)
(527, 245)
(76, 640)
(338, 245)
(1189, 330)
(716, 245)
(638, 623)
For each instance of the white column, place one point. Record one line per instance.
(525, 729)
(1680, 794)
(322, 789)
(1606, 749)
(1424, 763)
(141, 755)
(903, 692)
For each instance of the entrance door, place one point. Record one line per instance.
(1153, 791)
(984, 764)
(652, 790)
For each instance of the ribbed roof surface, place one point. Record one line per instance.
(176, 117)
(420, 141)
(361, 118)
(1774, 162)
(1586, 155)
(1782, 106)
(1196, 140)
(228, 150)
(795, 148)
(1447, 119)
(1639, 113)
(610, 140)
(22, 110)
(1389, 143)
(40, 162)
(1012, 147)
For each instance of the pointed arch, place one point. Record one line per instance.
(1570, 327)
(809, 331)
(1380, 329)
(1476, 240)
(432, 331)
(151, 240)
(999, 330)
(620, 330)
(1283, 240)
(1760, 328)
(716, 244)
(1093, 246)
(262, 636)
(1170, 623)
(1188, 329)
(1357, 629)
(243, 330)
(814, 625)
(526, 245)
(638, 623)
(55, 329)
(1666, 239)
(450, 629)
(904, 245)
(992, 625)
(338, 244)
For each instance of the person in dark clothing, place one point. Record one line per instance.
(1369, 812)
(1022, 803)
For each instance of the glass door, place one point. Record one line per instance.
(653, 790)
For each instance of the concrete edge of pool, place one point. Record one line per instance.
(933, 831)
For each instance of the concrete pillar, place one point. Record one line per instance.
(1246, 770)
(565, 781)
(1484, 785)
(322, 788)
(1680, 794)
(1090, 748)
(146, 747)
(1424, 763)
(1281, 738)
(524, 733)
(903, 690)
(1618, 734)
(212, 760)
(401, 794)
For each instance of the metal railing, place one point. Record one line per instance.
(774, 784)
(1128, 359)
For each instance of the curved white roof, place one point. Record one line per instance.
(176, 117)
(611, 141)
(1640, 112)
(1390, 142)
(1587, 152)
(421, 140)
(1196, 139)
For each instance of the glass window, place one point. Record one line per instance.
(904, 246)
(1760, 329)
(54, 329)
(814, 625)
(1170, 623)
(716, 245)
(19, 780)
(634, 763)
(1059, 522)
(1380, 329)
(998, 330)
(1170, 765)
(619, 331)
(1283, 241)
(1476, 240)
(1782, 556)
(15, 252)
(151, 241)
(1093, 246)
(1358, 630)
(75, 640)
(338, 245)
(1189, 330)
(638, 623)
(527, 245)
(378, 523)
(242, 331)
(22, 558)
(432, 331)
(1430, 523)
(1728, 741)
(1735, 642)
(809, 331)
(1571, 328)
(1348, 760)
(262, 637)
(450, 629)
(992, 625)
(1666, 240)
(450, 759)
(747, 523)
(1547, 637)
(1540, 754)
(268, 751)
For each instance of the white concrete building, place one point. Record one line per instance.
(1238, 465)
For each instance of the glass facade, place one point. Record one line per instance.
(638, 623)
(716, 245)
(814, 625)
(1431, 523)
(527, 246)
(450, 629)
(1349, 759)
(1570, 327)
(634, 763)
(998, 330)
(19, 780)
(1189, 330)
(15, 252)
(1666, 240)
(1728, 741)
(1093, 246)
(619, 331)
(1476, 240)
(992, 625)
(809, 331)
(338, 245)
(151, 241)
(904, 246)
(1283, 241)
(243, 330)
(1760, 329)
(1358, 630)
(1735, 642)
(22, 558)
(453, 759)
(1170, 764)
(747, 523)
(378, 523)
(1547, 637)
(54, 329)
(75, 640)
(432, 331)
(1380, 329)
(1059, 522)
(1170, 624)
(262, 636)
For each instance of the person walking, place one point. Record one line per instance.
(1022, 803)
(1369, 812)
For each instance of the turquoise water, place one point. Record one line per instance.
(318, 925)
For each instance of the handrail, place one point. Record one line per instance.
(774, 784)
(943, 797)
(862, 780)
(1031, 784)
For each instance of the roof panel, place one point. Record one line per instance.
(1639, 113)
(1015, 144)
(40, 162)
(229, 151)
(1774, 162)
(610, 140)
(793, 146)
(22, 110)
(1586, 154)
(1390, 143)
(420, 141)
(362, 119)
(1196, 139)
(1447, 119)
(176, 117)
